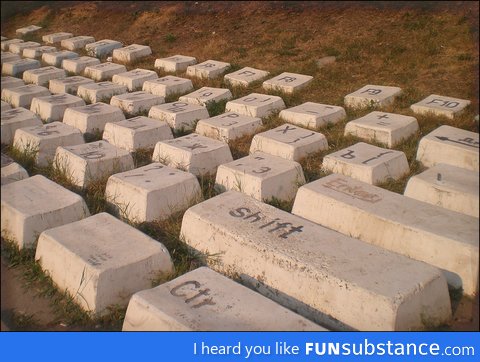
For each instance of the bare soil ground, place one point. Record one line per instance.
(423, 47)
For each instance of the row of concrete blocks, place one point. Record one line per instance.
(265, 247)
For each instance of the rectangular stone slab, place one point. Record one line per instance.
(134, 79)
(56, 37)
(261, 176)
(28, 29)
(446, 239)
(93, 117)
(77, 42)
(313, 115)
(104, 71)
(450, 187)
(168, 85)
(92, 161)
(152, 192)
(449, 145)
(23, 96)
(203, 300)
(9, 57)
(209, 69)
(56, 58)
(289, 142)
(42, 76)
(387, 128)
(256, 105)
(5, 44)
(193, 153)
(68, 85)
(11, 171)
(228, 126)
(136, 133)
(78, 65)
(327, 277)
(36, 204)
(179, 115)
(101, 260)
(102, 48)
(18, 48)
(14, 119)
(11, 82)
(245, 76)
(372, 95)
(100, 92)
(131, 53)
(136, 102)
(440, 106)
(367, 163)
(52, 108)
(288, 82)
(176, 63)
(16, 68)
(206, 95)
(37, 52)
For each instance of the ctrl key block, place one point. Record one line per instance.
(204, 300)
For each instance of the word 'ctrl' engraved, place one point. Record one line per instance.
(182, 290)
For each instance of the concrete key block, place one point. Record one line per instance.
(387, 128)
(152, 192)
(329, 278)
(42, 76)
(179, 115)
(28, 29)
(92, 161)
(92, 118)
(37, 52)
(168, 85)
(207, 95)
(9, 57)
(68, 85)
(5, 44)
(193, 153)
(78, 65)
(52, 108)
(131, 53)
(11, 82)
(56, 37)
(136, 102)
(440, 106)
(102, 48)
(176, 63)
(35, 204)
(104, 71)
(136, 133)
(256, 105)
(288, 82)
(447, 186)
(188, 303)
(107, 261)
(372, 95)
(2, 38)
(11, 171)
(289, 142)
(16, 68)
(313, 115)
(134, 79)
(100, 92)
(17, 48)
(5, 106)
(56, 58)
(208, 69)
(14, 119)
(443, 238)
(367, 163)
(42, 141)
(245, 76)
(77, 42)
(449, 145)
(23, 96)
(261, 176)
(228, 126)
